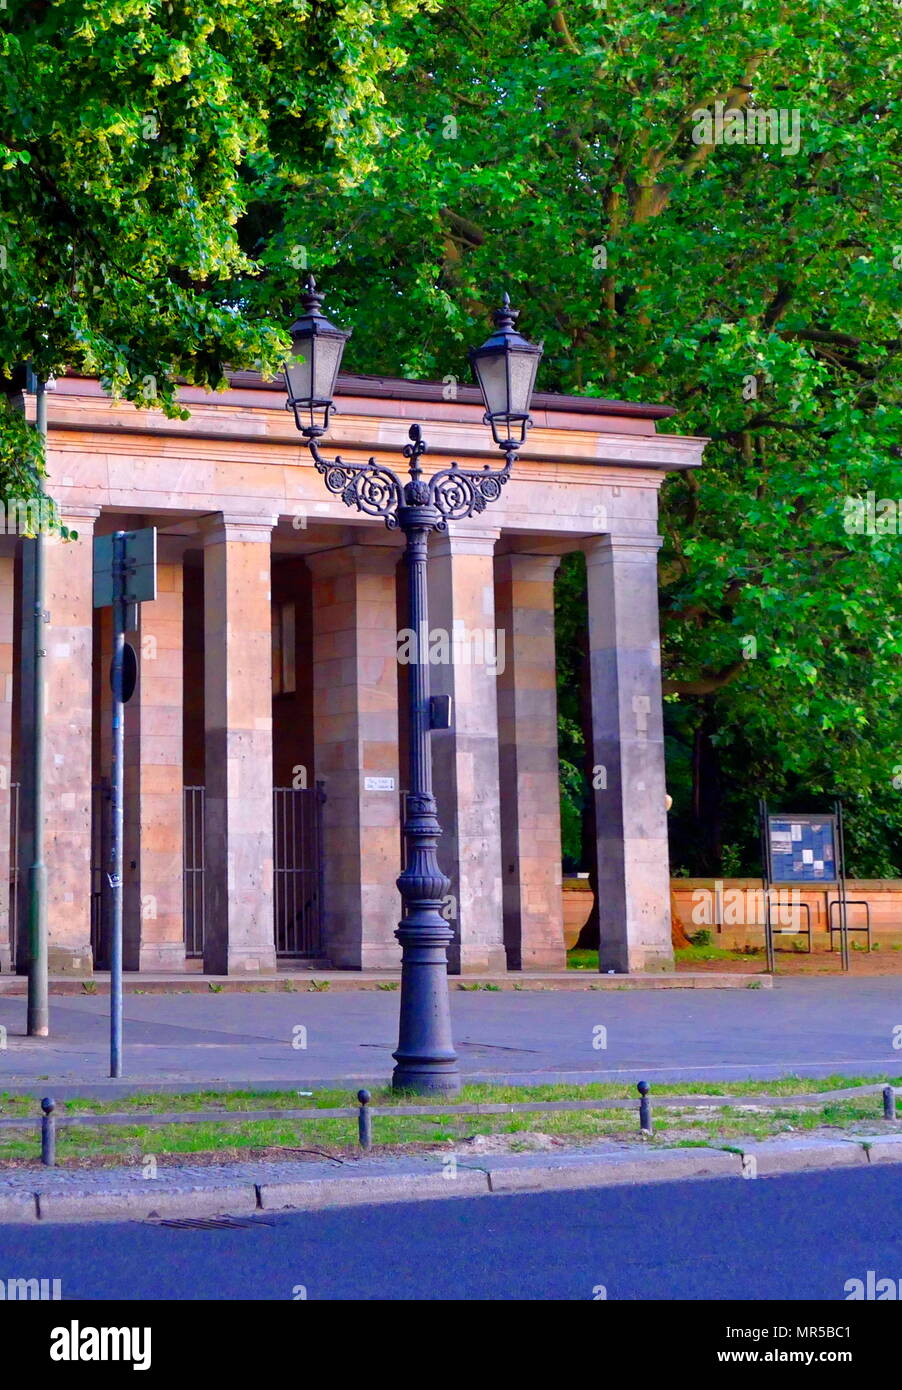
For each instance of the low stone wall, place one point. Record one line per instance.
(578, 898)
(732, 909)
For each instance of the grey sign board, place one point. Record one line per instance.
(136, 580)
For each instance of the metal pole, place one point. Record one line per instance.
(427, 1062)
(38, 1013)
(843, 909)
(48, 1132)
(364, 1120)
(118, 791)
(766, 873)
(644, 1108)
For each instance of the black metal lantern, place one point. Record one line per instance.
(418, 505)
(505, 367)
(316, 351)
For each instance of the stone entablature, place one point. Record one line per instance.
(239, 505)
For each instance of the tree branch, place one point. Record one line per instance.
(706, 685)
(463, 228)
(560, 26)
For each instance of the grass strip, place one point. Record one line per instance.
(471, 1094)
(98, 1145)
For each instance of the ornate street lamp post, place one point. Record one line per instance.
(505, 367)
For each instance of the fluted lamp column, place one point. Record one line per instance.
(505, 367)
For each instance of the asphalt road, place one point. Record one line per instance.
(807, 1026)
(798, 1238)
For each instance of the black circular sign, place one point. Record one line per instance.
(129, 674)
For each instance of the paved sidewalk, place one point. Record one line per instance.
(806, 1027)
(242, 1189)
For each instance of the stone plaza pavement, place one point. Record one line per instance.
(807, 1026)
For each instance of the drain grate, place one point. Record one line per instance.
(212, 1223)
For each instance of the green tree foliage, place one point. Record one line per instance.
(168, 172)
(556, 148)
(135, 134)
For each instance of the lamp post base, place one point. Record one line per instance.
(417, 1079)
(427, 1062)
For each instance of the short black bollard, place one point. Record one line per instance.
(365, 1120)
(889, 1103)
(48, 1133)
(644, 1108)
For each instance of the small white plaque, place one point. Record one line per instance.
(379, 784)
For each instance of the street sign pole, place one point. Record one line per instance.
(125, 574)
(805, 849)
(38, 1010)
(766, 872)
(843, 909)
(118, 794)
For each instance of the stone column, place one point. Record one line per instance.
(7, 596)
(530, 795)
(153, 926)
(355, 713)
(466, 657)
(633, 871)
(68, 642)
(239, 934)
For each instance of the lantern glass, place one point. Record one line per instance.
(505, 367)
(522, 368)
(311, 373)
(491, 373)
(326, 352)
(297, 377)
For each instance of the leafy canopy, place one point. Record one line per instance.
(134, 135)
(168, 172)
(555, 148)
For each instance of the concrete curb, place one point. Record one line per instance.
(345, 981)
(883, 1148)
(497, 1176)
(667, 1165)
(796, 1155)
(343, 1192)
(144, 1205)
(107, 1089)
(16, 1207)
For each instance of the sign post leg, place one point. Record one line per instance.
(843, 905)
(766, 879)
(125, 574)
(118, 792)
(38, 1014)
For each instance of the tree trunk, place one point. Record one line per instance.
(589, 937)
(706, 793)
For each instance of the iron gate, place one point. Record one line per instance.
(297, 871)
(101, 825)
(15, 880)
(193, 875)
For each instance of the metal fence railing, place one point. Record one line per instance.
(101, 809)
(193, 875)
(297, 871)
(744, 1164)
(15, 881)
